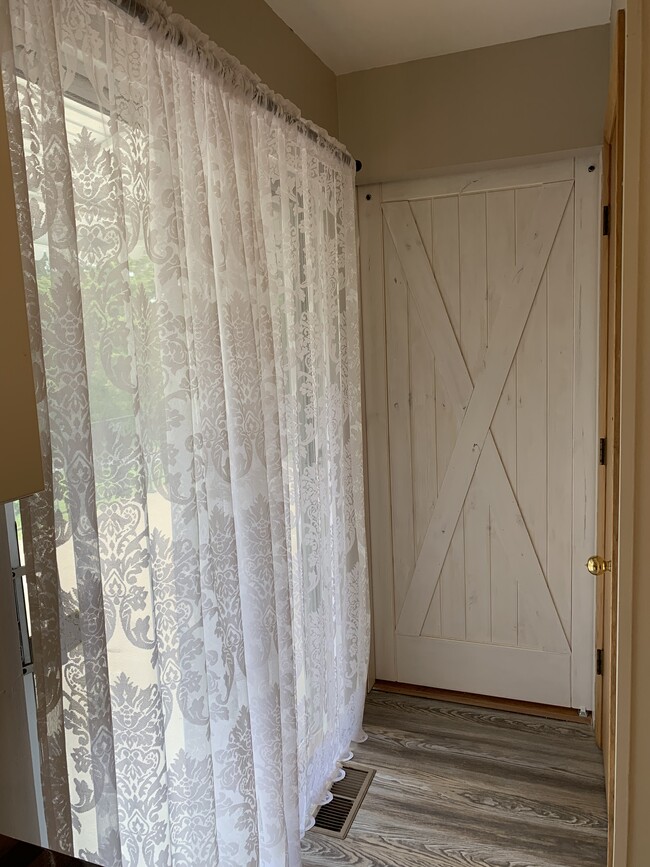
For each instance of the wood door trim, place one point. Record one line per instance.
(616, 77)
(617, 241)
(636, 50)
(549, 711)
(610, 407)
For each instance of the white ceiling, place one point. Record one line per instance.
(349, 35)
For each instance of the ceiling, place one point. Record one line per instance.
(349, 35)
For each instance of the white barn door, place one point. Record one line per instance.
(480, 327)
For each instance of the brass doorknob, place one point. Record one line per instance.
(598, 566)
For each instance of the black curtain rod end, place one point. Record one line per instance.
(359, 165)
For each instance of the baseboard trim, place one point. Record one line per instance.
(492, 702)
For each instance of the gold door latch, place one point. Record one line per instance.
(598, 566)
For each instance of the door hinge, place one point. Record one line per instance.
(599, 661)
(606, 220)
(602, 451)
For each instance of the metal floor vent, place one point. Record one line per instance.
(336, 817)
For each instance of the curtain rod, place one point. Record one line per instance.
(263, 95)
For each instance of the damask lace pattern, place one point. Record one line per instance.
(199, 578)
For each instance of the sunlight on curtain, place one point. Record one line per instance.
(199, 582)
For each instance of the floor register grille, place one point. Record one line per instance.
(335, 818)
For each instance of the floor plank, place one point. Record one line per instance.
(458, 786)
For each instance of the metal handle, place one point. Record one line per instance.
(598, 566)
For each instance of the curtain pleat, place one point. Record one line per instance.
(197, 565)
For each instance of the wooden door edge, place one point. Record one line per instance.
(636, 43)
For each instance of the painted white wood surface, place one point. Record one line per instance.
(585, 397)
(479, 410)
(486, 669)
(489, 307)
(480, 181)
(373, 323)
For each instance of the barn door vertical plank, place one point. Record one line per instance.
(423, 413)
(371, 261)
(399, 419)
(560, 416)
(532, 397)
(500, 269)
(446, 265)
(587, 211)
(501, 265)
(473, 342)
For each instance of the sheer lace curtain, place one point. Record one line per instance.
(198, 579)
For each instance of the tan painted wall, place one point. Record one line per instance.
(20, 461)
(257, 37)
(531, 97)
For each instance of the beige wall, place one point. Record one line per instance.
(20, 450)
(257, 37)
(530, 97)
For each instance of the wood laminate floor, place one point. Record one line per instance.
(459, 786)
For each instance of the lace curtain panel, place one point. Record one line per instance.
(198, 585)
